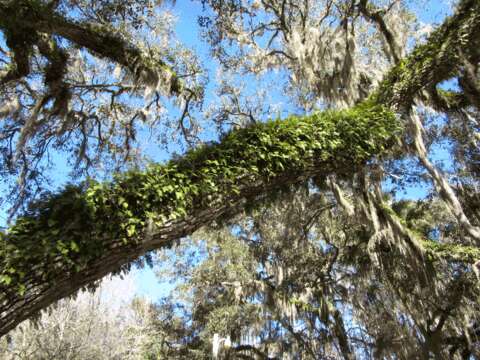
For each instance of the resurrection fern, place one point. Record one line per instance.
(437, 60)
(66, 231)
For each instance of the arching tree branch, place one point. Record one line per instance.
(439, 59)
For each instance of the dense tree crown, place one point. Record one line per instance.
(296, 241)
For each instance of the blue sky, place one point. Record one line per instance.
(187, 31)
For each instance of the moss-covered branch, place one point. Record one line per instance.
(68, 233)
(452, 252)
(434, 250)
(21, 19)
(437, 60)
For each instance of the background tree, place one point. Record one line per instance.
(106, 324)
(329, 294)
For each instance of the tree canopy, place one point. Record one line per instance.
(309, 250)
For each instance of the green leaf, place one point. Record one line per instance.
(7, 280)
(74, 246)
(131, 230)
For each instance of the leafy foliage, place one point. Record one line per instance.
(99, 216)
